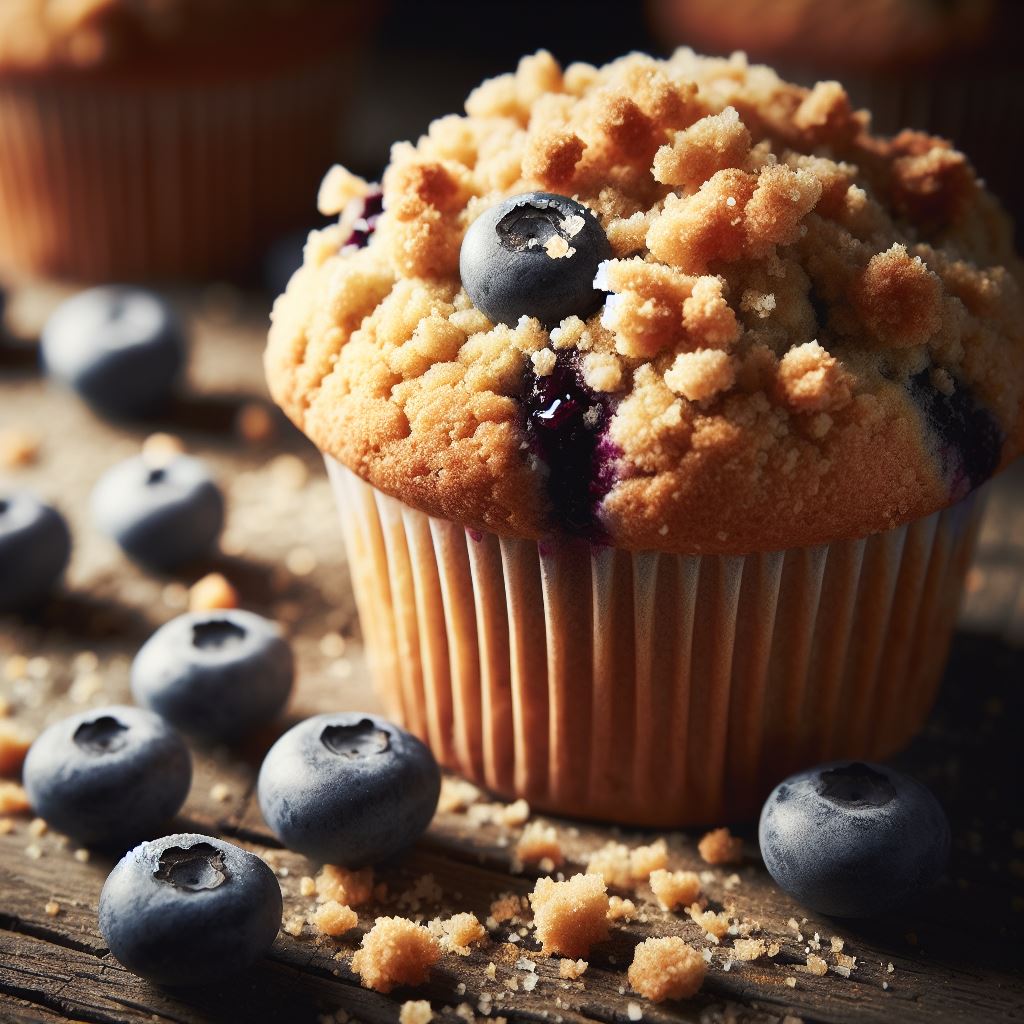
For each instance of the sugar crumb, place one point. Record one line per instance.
(666, 968)
(395, 951)
(721, 847)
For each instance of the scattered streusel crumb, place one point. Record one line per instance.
(721, 847)
(460, 931)
(674, 888)
(52, 908)
(666, 968)
(791, 982)
(307, 887)
(748, 949)
(645, 859)
(18, 448)
(815, 965)
(334, 918)
(509, 906)
(213, 592)
(612, 863)
(81, 855)
(293, 924)
(572, 970)
(160, 449)
(570, 916)
(255, 423)
(540, 842)
(716, 926)
(395, 951)
(620, 909)
(15, 740)
(220, 792)
(415, 1011)
(351, 888)
(456, 795)
(837, 944)
(6, 826)
(515, 813)
(13, 799)
(37, 827)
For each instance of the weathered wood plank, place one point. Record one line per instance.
(963, 965)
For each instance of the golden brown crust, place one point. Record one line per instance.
(782, 282)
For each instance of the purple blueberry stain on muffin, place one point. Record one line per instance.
(371, 206)
(967, 438)
(566, 427)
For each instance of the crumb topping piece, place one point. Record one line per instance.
(396, 951)
(350, 888)
(334, 918)
(675, 888)
(415, 1011)
(459, 932)
(720, 846)
(666, 968)
(570, 916)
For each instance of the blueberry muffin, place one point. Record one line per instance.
(163, 139)
(708, 508)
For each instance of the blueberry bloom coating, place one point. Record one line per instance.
(108, 776)
(35, 545)
(217, 674)
(534, 255)
(189, 910)
(853, 840)
(348, 788)
(162, 516)
(122, 349)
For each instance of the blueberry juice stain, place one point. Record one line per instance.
(566, 428)
(363, 227)
(969, 440)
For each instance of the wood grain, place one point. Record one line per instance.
(956, 955)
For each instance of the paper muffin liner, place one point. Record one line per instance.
(102, 180)
(649, 688)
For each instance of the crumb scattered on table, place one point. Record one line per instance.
(539, 844)
(570, 916)
(674, 888)
(572, 970)
(415, 1011)
(13, 799)
(351, 888)
(396, 951)
(459, 932)
(720, 846)
(666, 968)
(620, 909)
(334, 918)
(214, 592)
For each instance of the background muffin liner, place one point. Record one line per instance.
(648, 688)
(103, 178)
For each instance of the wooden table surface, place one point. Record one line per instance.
(956, 956)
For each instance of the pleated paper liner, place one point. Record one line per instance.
(649, 688)
(101, 180)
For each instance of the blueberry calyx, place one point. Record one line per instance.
(195, 869)
(363, 739)
(104, 735)
(856, 785)
(216, 635)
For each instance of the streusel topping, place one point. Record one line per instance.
(809, 332)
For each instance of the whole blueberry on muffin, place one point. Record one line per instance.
(612, 324)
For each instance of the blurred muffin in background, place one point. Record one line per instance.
(163, 138)
(944, 66)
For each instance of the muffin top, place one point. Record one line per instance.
(80, 34)
(801, 332)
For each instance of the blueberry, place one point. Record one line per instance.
(348, 788)
(122, 349)
(35, 545)
(369, 209)
(108, 776)
(853, 840)
(189, 910)
(534, 255)
(216, 674)
(163, 516)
